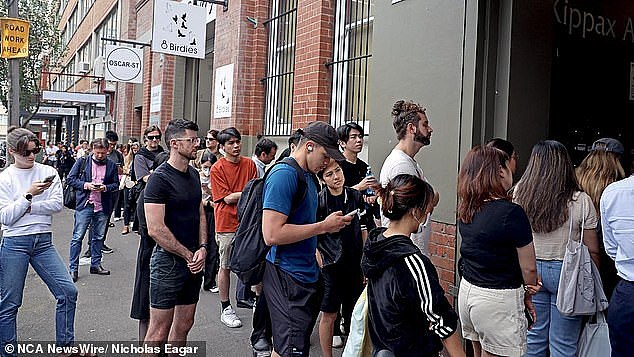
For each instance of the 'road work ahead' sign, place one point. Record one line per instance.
(15, 38)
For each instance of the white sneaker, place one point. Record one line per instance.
(214, 289)
(337, 342)
(229, 318)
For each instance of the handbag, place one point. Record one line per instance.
(595, 337)
(358, 343)
(580, 290)
(70, 193)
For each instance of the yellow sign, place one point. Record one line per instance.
(15, 38)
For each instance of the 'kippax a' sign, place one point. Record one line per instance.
(15, 38)
(179, 29)
(124, 64)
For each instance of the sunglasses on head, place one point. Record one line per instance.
(27, 153)
(154, 137)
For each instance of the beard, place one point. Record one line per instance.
(420, 138)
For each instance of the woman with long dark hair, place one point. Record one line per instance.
(409, 314)
(549, 193)
(498, 258)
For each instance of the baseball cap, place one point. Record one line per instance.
(325, 135)
(608, 144)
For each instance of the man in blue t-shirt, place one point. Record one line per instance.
(291, 279)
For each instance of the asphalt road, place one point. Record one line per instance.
(103, 306)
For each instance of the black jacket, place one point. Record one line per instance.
(330, 245)
(408, 311)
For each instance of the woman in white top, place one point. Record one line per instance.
(30, 193)
(549, 193)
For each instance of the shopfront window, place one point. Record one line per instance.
(351, 61)
(278, 82)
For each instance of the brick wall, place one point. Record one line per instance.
(313, 48)
(442, 251)
(239, 42)
(127, 124)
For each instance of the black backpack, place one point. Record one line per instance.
(248, 256)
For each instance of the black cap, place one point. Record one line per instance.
(608, 144)
(325, 135)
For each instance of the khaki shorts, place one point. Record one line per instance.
(225, 243)
(493, 317)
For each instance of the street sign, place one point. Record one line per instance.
(15, 38)
(179, 29)
(124, 64)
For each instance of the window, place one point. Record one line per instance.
(85, 53)
(278, 83)
(108, 29)
(351, 62)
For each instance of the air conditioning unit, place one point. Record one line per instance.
(83, 67)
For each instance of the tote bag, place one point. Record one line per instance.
(358, 343)
(580, 290)
(595, 338)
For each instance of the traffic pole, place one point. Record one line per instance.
(14, 76)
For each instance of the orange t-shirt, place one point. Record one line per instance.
(226, 178)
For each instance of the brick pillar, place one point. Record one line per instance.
(442, 252)
(127, 125)
(313, 48)
(239, 42)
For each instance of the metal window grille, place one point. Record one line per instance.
(351, 62)
(279, 79)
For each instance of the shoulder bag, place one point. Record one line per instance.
(70, 193)
(595, 337)
(580, 290)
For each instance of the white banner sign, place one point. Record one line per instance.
(56, 111)
(155, 99)
(124, 64)
(179, 29)
(223, 91)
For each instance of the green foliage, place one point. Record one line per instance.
(44, 39)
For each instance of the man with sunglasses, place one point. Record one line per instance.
(176, 221)
(96, 186)
(30, 193)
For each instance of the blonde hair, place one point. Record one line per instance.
(599, 169)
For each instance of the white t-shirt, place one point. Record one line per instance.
(398, 163)
(50, 153)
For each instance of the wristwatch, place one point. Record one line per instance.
(28, 196)
(204, 245)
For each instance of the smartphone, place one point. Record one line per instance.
(97, 185)
(529, 318)
(352, 213)
(49, 179)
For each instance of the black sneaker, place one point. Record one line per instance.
(106, 250)
(86, 253)
(262, 348)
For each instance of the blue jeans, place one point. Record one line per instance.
(97, 221)
(552, 331)
(621, 319)
(15, 255)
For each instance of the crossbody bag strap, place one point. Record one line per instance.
(583, 219)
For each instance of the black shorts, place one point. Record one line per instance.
(294, 307)
(342, 285)
(171, 281)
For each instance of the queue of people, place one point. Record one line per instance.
(334, 230)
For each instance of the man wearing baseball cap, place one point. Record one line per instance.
(291, 280)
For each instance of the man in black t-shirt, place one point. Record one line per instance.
(176, 221)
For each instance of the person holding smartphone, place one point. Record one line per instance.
(30, 193)
(96, 186)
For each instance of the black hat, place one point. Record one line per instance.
(608, 144)
(325, 135)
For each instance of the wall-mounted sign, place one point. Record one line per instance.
(15, 38)
(155, 99)
(56, 111)
(179, 29)
(155, 119)
(124, 64)
(223, 91)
